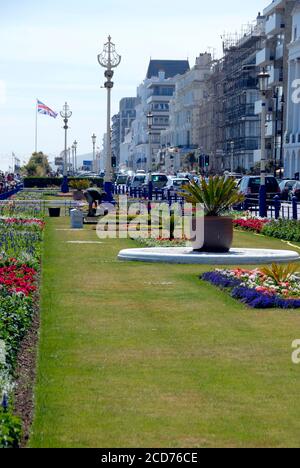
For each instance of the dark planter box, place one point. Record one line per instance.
(54, 212)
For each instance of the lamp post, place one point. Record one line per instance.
(98, 160)
(232, 157)
(73, 159)
(281, 136)
(66, 115)
(94, 138)
(263, 79)
(75, 144)
(150, 124)
(276, 99)
(109, 59)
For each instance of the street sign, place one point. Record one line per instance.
(59, 161)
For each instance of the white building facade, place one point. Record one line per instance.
(292, 136)
(182, 135)
(154, 96)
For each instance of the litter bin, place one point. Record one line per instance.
(54, 212)
(76, 219)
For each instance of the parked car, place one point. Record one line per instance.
(295, 192)
(286, 187)
(250, 186)
(175, 186)
(138, 181)
(159, 180)
(122, 180)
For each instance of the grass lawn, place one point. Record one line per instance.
(145, 355)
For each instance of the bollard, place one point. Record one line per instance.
(295, 208)
(277, 204)
(76, 219)
(150, 190)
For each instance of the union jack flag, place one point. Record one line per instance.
(43, 109)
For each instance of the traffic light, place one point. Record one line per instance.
(206, 160)
(114, 162)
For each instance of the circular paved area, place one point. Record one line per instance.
(185, 255)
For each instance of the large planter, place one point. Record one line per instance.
(218, 234)
(54, 212)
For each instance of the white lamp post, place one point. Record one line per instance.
(75, 155)
(94, 138)
(150, 124)
(66, 115)
(109, 59)
(263, 79)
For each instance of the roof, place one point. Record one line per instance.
(170, 67)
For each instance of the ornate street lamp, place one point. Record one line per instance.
(75, 144)
(66, 115)
(150, 125)
(109, 59)
(263, 79)
(94, 138)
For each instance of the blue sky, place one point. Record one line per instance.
(49, 50)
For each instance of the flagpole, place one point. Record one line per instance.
(36, 125)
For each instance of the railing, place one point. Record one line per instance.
(276, 207)
(35, 207)
(144, 193)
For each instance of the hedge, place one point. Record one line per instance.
(284, 229)
(46, 182)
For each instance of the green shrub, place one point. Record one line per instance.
(10, 430)
(283, 229)
(81, 184)
(45, 182)
(15, 319)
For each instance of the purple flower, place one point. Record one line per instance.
(218, 279)
(250, 297)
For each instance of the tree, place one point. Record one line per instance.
(38, 165)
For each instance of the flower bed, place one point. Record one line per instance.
(28, 222)
(161, 242)
(257, 288)
(285, 229)
(250, 224)
(20, 241)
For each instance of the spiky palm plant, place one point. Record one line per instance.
(217, 195)
(280, 273)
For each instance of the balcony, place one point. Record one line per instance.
(272, 7)
(154, 98)
(274, 24)
(263, 57)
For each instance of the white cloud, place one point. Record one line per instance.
(2, 92)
